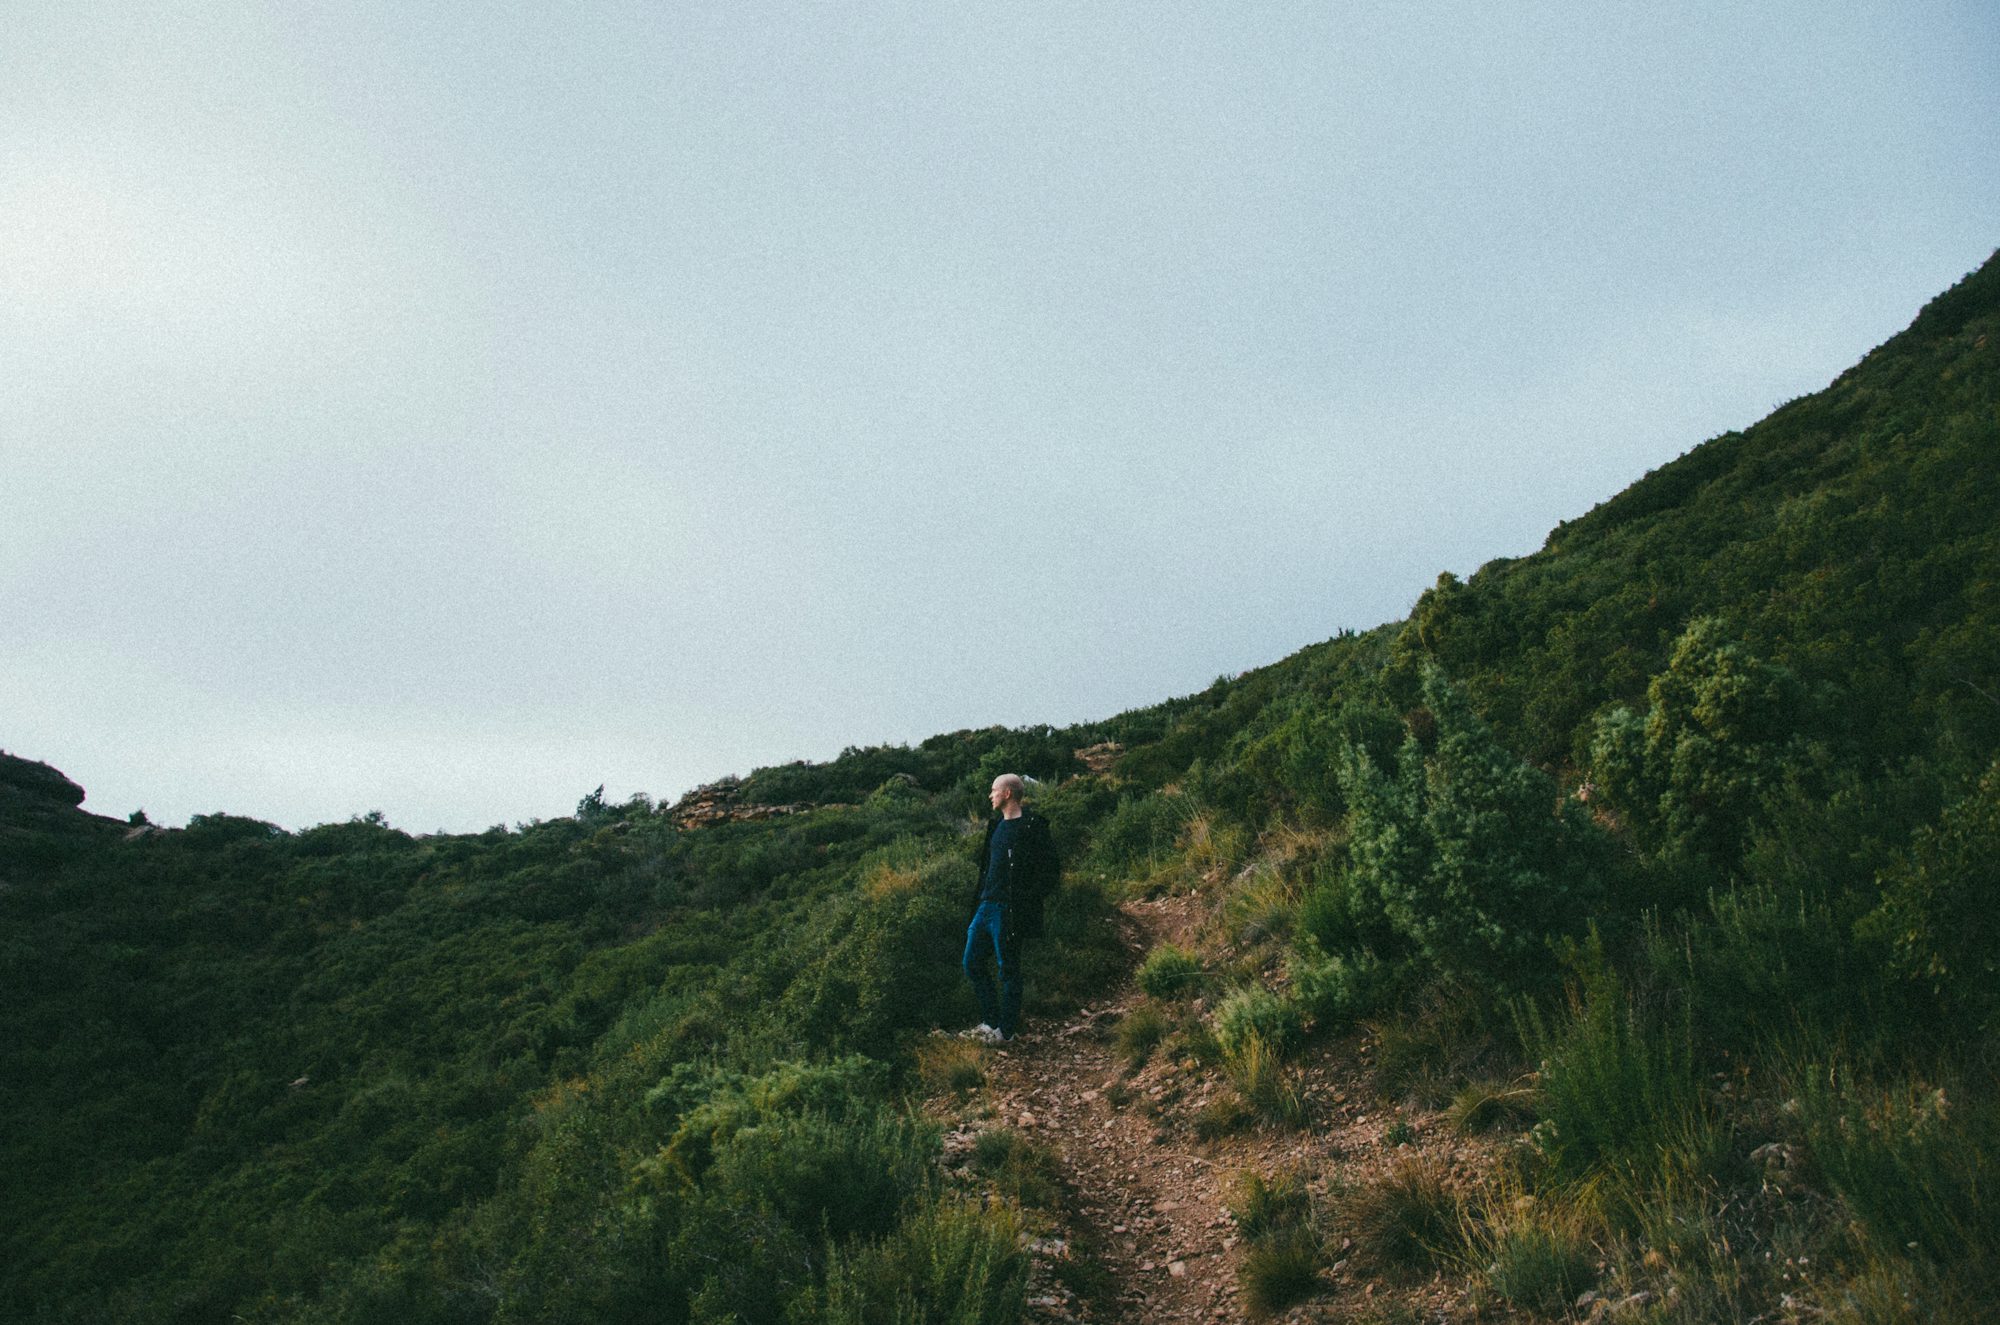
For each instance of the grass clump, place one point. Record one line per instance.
(1407, 1223)
(1535, 1255)
(1259, 1072)
(1139, 1033)
(1263, 908)
(949, 1066)
(1016, 1167)
(1170, 971)
(1254, 1012)
(1915, 1163)
(1224, 1114)
(1423, 1056)
(1486, 1105)
(1275, 1217)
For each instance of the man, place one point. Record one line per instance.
(1018, 871)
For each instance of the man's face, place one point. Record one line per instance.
(998, 795)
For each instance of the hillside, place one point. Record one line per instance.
(1611, 939)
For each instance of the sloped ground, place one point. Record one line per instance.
(1145, 1232)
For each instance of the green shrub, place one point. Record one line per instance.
(953, 1263)
(1140, 833)
(1937, 913)
(1469, 852)
(1170, 971)
(1255, 1012)
(1615, 1086)
(1336, 990)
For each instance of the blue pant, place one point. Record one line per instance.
(991, 932)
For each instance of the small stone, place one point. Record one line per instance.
(1178, 1269)
(1027, 1120)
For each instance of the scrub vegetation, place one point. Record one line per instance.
(1661, 860)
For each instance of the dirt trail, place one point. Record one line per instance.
(1147, 1199)
(1153, 1210)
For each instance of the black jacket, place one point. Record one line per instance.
(1033, 871)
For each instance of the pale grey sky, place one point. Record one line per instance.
(444, 410)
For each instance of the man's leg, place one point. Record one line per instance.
(1008, 951)
(982, 940)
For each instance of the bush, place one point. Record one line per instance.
(953, 1263)
(1170, 971)
(1336, 990)
(1469, 853)
(1615, 1086)
(1937, 912)
(1254, 1011)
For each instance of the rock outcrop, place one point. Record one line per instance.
(721, 803)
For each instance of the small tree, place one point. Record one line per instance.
(1471, 854)
(1720, 727)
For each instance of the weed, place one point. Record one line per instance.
(1914, 1161)
(1015, 1166)
(1536, 1257)
(952, 1262)
(1262, 909)
(1616, 1088)
(1170, 971)
(1197, 1043)
(1275, 1217)
(1264, 1206)
(1424, 1056)
(1400, 1133)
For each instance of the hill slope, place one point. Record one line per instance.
(1666, 849)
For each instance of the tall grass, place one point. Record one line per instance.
(1617, 1088)
(1915, 1162)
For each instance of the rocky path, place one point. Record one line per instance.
(1146, 1200)
(1149, 1209)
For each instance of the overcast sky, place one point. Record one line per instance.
(444, 409)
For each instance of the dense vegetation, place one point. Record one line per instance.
(1689, 821)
